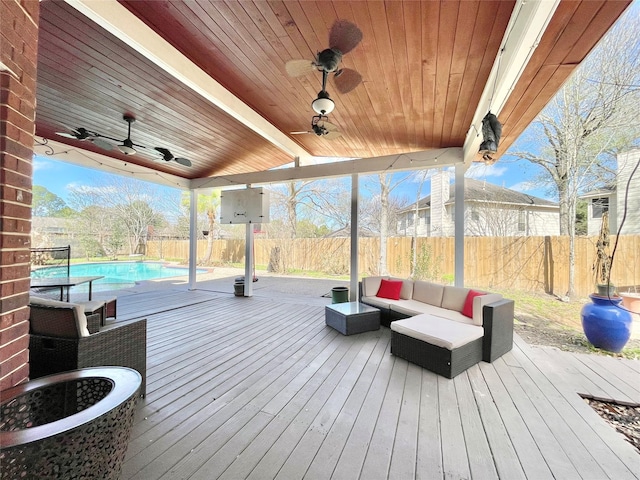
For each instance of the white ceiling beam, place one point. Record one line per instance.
(116, 19)
(528, 23)
(442, 157)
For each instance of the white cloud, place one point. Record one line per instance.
(524, 186)
(480, 170)
(40, 164)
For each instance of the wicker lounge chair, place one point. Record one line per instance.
(60, 341)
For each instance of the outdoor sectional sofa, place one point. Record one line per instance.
(442, 328)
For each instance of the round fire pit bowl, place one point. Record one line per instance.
(69, 425)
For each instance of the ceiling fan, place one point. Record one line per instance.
(343, 37)
(125, 146)
(321, 127)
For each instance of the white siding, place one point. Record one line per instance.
(439, 195)
(626, 163)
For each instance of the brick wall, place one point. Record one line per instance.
(18, 53)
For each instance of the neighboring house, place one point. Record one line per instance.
(612, 199)
(489, 210)
(49, 231)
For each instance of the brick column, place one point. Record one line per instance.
(18, 54)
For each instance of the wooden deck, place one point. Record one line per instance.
(256, 388)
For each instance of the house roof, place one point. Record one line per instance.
(482, 191)
(600, 192)
(207, 79)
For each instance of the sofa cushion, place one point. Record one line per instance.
(453, 298)
(428, 292)
(389, 289)
(442, 332)
(72, 325)
(467, 310)
(371, 285)
(480, 302)
(382, 303)
(407, 288)
(414, 307)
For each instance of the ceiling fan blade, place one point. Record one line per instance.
(300, 133)
(327, 126)
(67, 135)
(77, 133)
(347, 80)
(344, 36)
(332, 135)
(296, 68)
(183, 161)
(103, 143)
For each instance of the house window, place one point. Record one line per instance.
(475, 216)
(410, 218)
(599, 206)
(522, 221)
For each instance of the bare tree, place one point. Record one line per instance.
(380, 211)
(593, 116)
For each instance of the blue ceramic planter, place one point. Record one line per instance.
(606, 325)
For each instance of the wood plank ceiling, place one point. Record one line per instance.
(424, 65)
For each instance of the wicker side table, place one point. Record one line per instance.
(352, 317)
(69, 425)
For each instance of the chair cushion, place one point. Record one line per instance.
(428, 292)
(54, 318)
(406, 293)
(453, 298)
(389, 289)
(371, 285)
(441, 332)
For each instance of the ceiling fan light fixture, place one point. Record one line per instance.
(127, 147)
(323, 105)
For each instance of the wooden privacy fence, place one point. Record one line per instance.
(525, 263)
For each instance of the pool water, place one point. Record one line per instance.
(116, 274)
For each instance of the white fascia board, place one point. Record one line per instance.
(388, 163)
(116, 19)
(528, 23)
(85, 158)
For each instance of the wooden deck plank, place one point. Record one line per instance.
(404, 454)
(429, 464)
(478, 451)
(502, 450)
(615, 370)
(328, 454)
(350, 463)
(193, 431)
(454, 456)
(555, 457)
(285, 406)
(303, 454)
(567, 440)
(531, 458)
(319, 389)
(378, 459)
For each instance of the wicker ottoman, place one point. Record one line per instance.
(352, 317)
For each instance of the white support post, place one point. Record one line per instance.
(193, 238)
(248, 262)
(459, 225)
(353, 283)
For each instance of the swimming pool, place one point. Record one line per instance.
(116, 274)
